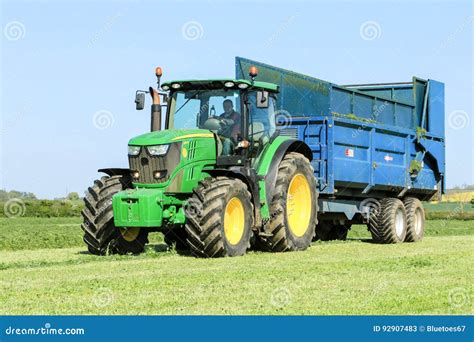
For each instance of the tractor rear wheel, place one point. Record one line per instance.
(388, 222)
(100, 233)
(415, 219)
(219, 218)
(294, 207)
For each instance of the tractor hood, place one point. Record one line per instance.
(169, 136)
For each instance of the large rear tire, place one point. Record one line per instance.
(415, 219)
(100, 234)
(294, 207)
(219, 218)
(388, 222)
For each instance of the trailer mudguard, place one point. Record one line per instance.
(268, 166)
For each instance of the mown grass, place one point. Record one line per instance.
(44, 269)
(63, 232)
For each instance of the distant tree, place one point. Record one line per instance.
(73, 196)
(14, 194)
(6, 195)
(28, 196)
(3, 195)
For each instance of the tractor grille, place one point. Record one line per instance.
(147, 165)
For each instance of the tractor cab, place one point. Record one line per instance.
(240, 113)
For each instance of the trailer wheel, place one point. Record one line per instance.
(219, 218)
(415, 219)
(388, 222)
(294, 207)
(100, 233)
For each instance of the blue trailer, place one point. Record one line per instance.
(371, 143)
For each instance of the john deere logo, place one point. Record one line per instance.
(184, 152)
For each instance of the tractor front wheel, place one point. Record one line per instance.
(219, 218)
(100, 234)
(294, 207)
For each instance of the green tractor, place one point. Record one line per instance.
(216, 181)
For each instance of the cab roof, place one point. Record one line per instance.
(219, 83)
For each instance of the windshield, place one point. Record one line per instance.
(195, 108)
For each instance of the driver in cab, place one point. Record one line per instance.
(231, 127)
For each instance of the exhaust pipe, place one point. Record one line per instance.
(155, 110)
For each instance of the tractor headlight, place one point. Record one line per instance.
(133, 150)
(158, 150)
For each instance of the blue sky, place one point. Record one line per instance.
(70, 69)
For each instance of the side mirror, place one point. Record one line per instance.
(262, 99)
(139, 101)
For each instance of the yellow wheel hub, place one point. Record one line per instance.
(129, 234)
(298, 205)
(234, 221)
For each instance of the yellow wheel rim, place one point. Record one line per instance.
(298, 205)
(234, 221)
(129, 234)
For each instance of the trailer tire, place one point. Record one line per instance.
(415, 219)
(100, 234)
(388, 221)
(295, 180)
(219, 218)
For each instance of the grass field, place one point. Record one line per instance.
(45, 270)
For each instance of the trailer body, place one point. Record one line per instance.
(368, 141)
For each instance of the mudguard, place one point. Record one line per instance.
(268, 166)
